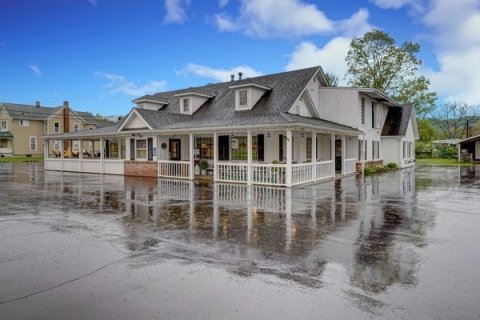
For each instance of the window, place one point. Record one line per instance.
(3, 143)
(243, 98)
(240, 150)
(205, 147)
(4, 125)
(186, 104)
(405, 150)
(360, 149)
(24, 123)
(363, 111)
(33, 143)
(373, 114)
(366, 150)
(56, 127)
(76, 146)
(141, 149)
(56, 145)
(76, 127)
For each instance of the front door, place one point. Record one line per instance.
(223, 148)
(175, 148)
(338, 155)
(261, 147)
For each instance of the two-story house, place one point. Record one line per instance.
(22, 126)
(281, 129)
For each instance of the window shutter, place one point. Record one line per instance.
(132, 149)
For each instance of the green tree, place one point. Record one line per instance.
(451, 118)
(332, 79)
(426, 131)
(375, 61)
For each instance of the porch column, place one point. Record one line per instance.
(80, 155)
(249, 157)
(332, 153)
(45, 149)
(289, 170)
(101, 156)
(343, 155)
(191, 174)
(61, 155)
(314, 155)
(215, 156)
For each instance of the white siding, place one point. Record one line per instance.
(339, 106)
(390, 150)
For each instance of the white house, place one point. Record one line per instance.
(272, 130)
(388, 129)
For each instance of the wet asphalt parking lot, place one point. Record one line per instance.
(403, 245)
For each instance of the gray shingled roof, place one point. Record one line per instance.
(396, 123)
(219, 111)
(28, 112)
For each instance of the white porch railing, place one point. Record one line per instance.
(350, 165)
(174, 169)
(269, 174)
(92, 166)
(301, 173)
(53, 164)
(325, 169)
(5, 150)
(71, 165)
(111, 166)
(231, 172)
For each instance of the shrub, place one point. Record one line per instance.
(446, 152)
(392, 166)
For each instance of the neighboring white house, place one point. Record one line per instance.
(388, 129)
(276, 130)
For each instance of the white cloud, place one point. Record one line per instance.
(175, 11)
(119, 84)
(93, 2)
(218, 74)
(416, 5)
(289, 19)
(36, 70)
(225, 23)
(222, 3)
(453, 27)
(331, 56)
(355, 26)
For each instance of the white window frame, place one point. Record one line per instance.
(76, 146)
(186, 105)
(243, 98)
(76, 127)
(4, 126)
(24, 123)
(56, 129)
(141, 149)
(30, 143)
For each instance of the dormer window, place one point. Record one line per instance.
(186, 105)
(243, 98)
(247, 94)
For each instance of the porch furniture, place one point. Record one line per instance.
(56, 154)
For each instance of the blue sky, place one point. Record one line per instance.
(101, 54)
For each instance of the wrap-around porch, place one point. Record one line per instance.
(266, 157)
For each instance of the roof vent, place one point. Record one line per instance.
(232, 77)
(37, 104)
(240, 75)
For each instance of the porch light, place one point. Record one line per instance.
(268, 135)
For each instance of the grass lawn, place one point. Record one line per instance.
(22, 159)
(441, 162)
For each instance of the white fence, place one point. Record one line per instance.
(325, 169)
(269, 174)
(53, 164)
(350, 165)
(301, 173)
(92, 166)
(232, 172)
(174, 169)
(113, 166)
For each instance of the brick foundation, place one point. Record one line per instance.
(141, 168)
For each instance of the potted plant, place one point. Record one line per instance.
(204, 167)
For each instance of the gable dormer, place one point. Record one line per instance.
(247, 95)
(304, 106)
(150, 103)
(191, 101)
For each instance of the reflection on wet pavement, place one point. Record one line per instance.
(374, 244)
